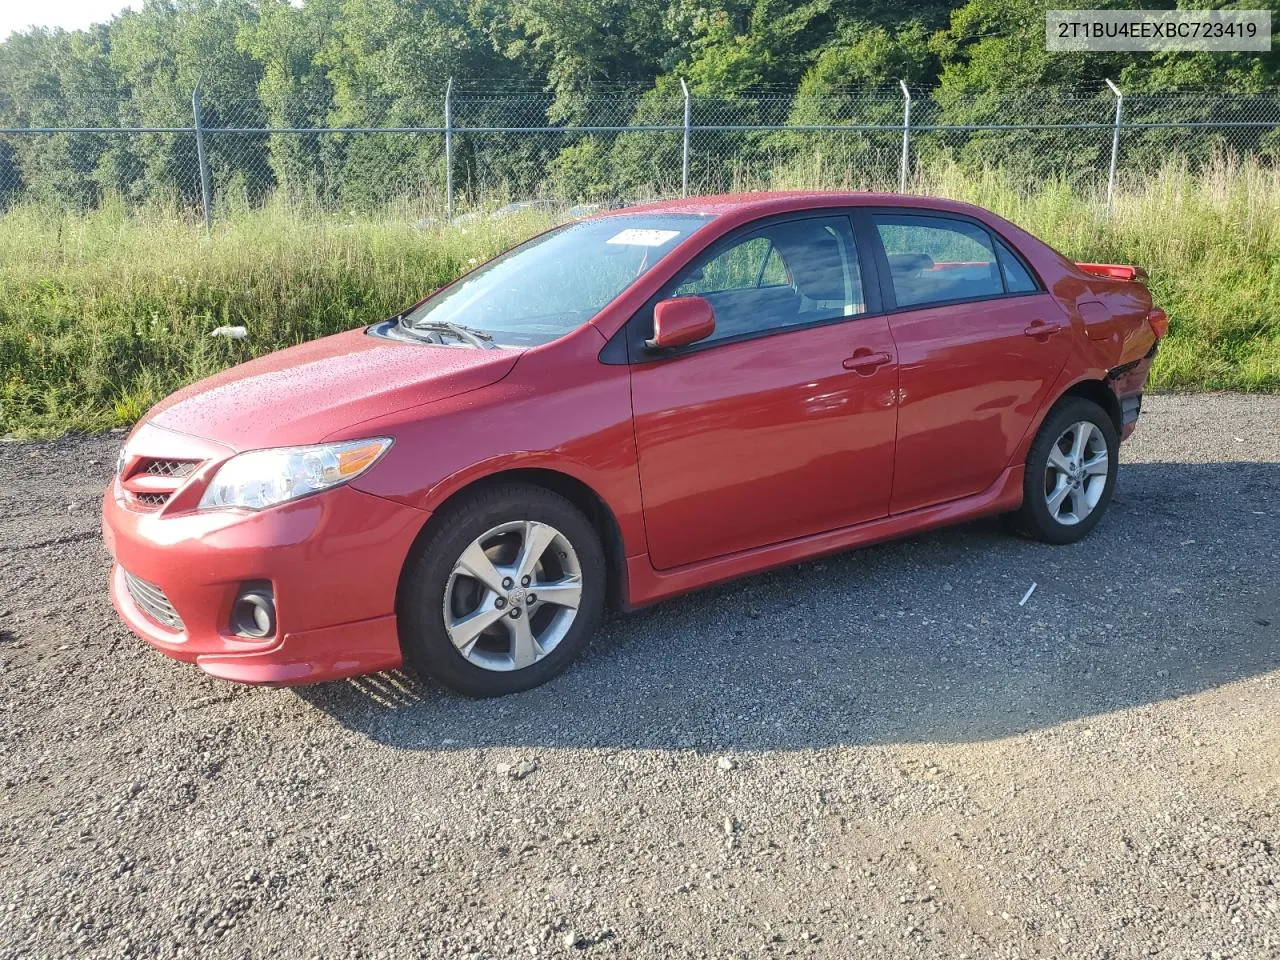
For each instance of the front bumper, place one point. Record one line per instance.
(333, 560)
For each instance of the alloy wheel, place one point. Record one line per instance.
(513, 595)
(1076, 474)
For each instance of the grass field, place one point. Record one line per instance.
(102, 314)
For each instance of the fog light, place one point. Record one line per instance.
(254, 613)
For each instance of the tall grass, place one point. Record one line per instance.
(103, 314)
(1211, 242)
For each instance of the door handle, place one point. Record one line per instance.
(1039, 328)
(864, 362)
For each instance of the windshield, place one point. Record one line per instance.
(554, 283)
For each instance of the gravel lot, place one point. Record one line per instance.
(876, 755)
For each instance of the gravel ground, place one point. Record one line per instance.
(876, 755)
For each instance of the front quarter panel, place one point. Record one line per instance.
(560, 409)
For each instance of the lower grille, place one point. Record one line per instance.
(152, 499)
(152, 601)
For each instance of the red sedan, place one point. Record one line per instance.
(624, 408)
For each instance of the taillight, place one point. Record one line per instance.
(1159, 321)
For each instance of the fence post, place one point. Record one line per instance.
(448, 149)
(688, 117)
(1115, 145)
(205, 191)
(906, 137)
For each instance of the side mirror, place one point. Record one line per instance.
(681, 321)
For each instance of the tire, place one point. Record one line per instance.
(1048, 512)
(465, 619)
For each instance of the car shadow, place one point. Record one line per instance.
(922, 640)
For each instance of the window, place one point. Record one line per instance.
(775, 271)
(936, 260)
(742, 267)
(785, 274)
(1017, 279)
(555, 282)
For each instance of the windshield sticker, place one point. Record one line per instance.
(635, 237)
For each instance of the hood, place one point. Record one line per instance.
(305, 393)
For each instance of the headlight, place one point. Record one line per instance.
(121, 458)
(262, 478)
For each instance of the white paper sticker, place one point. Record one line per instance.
(643, 238)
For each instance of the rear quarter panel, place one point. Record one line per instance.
(1108, 317)
(1109, 327)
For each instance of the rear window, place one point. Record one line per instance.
(1017, 279)
(936, 260)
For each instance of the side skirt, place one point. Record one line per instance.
(648, 585)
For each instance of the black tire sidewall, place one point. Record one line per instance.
(1034, 517)
(423, 638)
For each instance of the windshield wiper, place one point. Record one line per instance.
(477, 338)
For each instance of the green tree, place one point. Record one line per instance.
(160, 53)
(996, 70)
(60, 79)
(295, 90)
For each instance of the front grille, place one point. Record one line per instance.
(152, 601)
(154, 480)
(171, 468)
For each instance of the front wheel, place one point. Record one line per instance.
(503, 593)
(1070, 473)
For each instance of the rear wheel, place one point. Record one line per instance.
(1070, 473)
(504, 593)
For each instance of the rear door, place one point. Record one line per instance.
(979, 344)
(780, 424)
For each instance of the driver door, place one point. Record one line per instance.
(782, 423)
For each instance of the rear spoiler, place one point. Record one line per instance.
(1114, 271)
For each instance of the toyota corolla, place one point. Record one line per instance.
(623, 409)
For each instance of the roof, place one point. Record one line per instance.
(769, 202)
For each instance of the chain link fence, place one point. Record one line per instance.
(467, 145)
